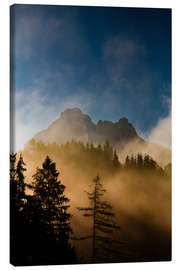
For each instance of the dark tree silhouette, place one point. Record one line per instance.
(54, 219)
(17, 210)
(103, 225)
(108, 150)
(139, 160)
(39, 223)
(127, 162)
(12, 166)
(142, 163)
(115, 160)
(20, 169)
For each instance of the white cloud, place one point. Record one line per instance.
(30, 115)
(161, 133)
(33, 113)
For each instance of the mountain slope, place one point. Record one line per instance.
(73, 124)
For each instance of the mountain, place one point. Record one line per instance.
(73, 124)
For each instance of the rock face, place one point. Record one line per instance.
(73, 124)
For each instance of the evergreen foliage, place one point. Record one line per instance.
(101, 158)
(103, 225)
(17, 209)
(40, 223)
(48, 192)
(87, 156)
(142, 162)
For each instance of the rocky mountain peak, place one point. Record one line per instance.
(73, 124)
(71, 112)
(74, 114)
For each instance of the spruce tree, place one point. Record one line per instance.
(103, 225)
(20, 169)
(12, 166)
(18, 218)
(139, 161)
(127, 162)
(115, 160)
(108, 150)
(54, 218)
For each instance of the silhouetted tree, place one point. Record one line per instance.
(103, 224)
(139, 160)
(133, 161)
(116, 162)
(12, 166)
(108, 151)
(145, 162)
(20, 169)
(54, 218)
(127, 161)
(17, 210)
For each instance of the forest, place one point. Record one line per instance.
(80, 203)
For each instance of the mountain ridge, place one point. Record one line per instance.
(74, 124)
(80, 126)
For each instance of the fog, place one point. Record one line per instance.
(141, 202)
(161, 154)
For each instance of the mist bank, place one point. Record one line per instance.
(158, 152)
(139, 191)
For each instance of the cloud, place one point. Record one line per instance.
(35, 32)
(121, 56)
(161, 133)
(30, 115)
(33, 111)
(129, 75)
(122, 47)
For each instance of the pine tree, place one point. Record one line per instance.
(139, 160)
(54, 218)
(133, 161)
(108, 151)
(103, 224)
(127, 162)
(12, 166)
(13, 181)
(18, 217)
(116, 162)
(17, 185)
(20, 169)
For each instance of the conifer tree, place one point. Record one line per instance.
(17, 185)
(13, 182)
(103, 224)
(18, 216)
(116, 162)
(127, 162)
(12, 166)
(108, 151)
(139, 160)
(20, 169)
(53, 205)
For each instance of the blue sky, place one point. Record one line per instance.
(110, 62)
